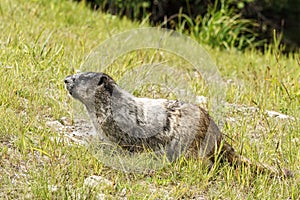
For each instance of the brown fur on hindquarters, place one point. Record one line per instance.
(132, 122)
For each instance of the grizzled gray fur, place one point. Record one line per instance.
(165, 126)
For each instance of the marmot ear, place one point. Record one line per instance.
(102, 80)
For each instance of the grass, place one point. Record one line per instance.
(43, 41)
(220, 28)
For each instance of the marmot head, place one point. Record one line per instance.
(83, 86)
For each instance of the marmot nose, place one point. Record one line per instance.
(68, 79)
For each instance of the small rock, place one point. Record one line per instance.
(123, 192)
(229, 81)
(278, 115)
(202, 102)
(230, 119)
(201, 99)
(94, 181)
(200, 197)
(54, 125)
(52, 188)
(66, 121)
(100, 196)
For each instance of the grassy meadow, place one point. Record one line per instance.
(43, 41)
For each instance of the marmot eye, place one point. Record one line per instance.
(102, 80)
